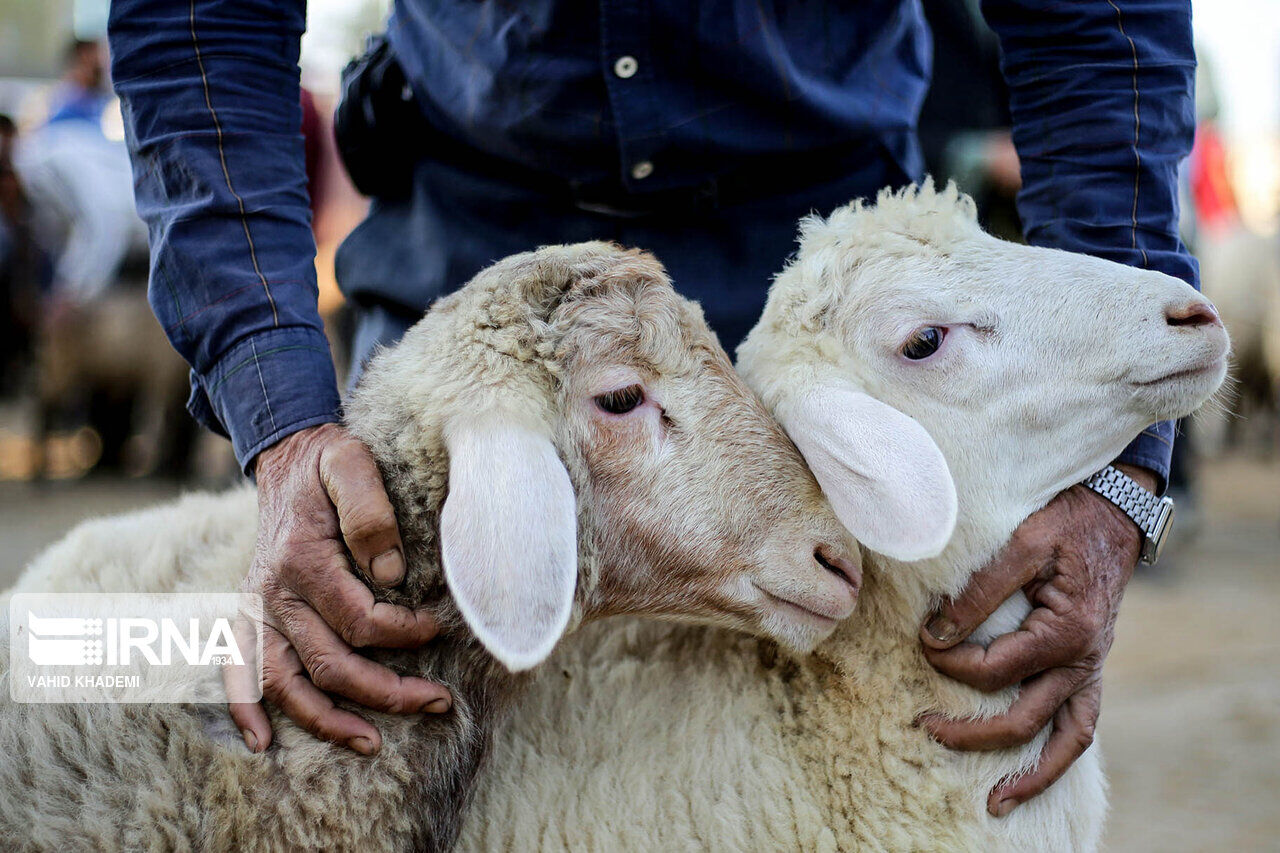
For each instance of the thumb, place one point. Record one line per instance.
(368, 522)
(956, 618)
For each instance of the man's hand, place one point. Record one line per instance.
(1073, 560)
(318, 489)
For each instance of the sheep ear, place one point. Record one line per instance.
(508, 538)
(884, 475)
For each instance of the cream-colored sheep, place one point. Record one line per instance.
(598, 455)
(674, 738)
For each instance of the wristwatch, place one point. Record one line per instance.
(1152, 514)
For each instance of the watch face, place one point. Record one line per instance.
(1154, 542)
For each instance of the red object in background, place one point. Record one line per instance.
(312, 128)
(1211, 192)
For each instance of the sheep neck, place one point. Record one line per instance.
(897, 597)
(444, 752)
(872, 670)
(450, 749)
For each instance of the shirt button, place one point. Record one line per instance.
(626, 66)
(642, 170)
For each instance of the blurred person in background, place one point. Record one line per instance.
(82, 92)
(80, 185)
(20, 267)
(99, 357)
(483, 129)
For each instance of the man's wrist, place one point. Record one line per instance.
(1144, 477)
(290, 447)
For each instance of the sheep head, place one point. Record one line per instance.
(601, 451)
(1007, 372)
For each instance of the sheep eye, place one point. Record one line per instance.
(621, 401)
(924, 343)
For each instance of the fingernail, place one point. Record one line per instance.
(388, 567)
(250, 739)
(362, 745)
(437, 706)
(1005, 806)
(942, 629)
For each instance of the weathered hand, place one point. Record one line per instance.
(318, 489)
(1073, 560)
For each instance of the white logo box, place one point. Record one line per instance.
(135, 647)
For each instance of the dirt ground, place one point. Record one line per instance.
(1191, 714)
(1191, 708)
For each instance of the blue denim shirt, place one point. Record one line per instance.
(1101, 102)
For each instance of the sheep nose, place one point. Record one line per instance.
(1197, 312)
(836, 561)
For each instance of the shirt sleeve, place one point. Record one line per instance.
(210, 95)
(1102, 101)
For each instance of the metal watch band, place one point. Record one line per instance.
(1152, 514)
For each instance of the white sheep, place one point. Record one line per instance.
(599, 455)
(678, 738)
